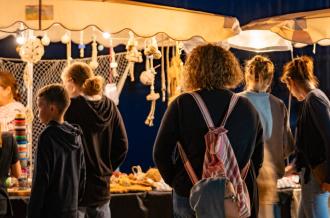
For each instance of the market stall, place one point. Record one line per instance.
(36, 24)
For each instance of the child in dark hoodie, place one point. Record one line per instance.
(106, 140)
(59, 167)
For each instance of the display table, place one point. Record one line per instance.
(157, 204)
(289, 200)
(132, 205)
(142, 205)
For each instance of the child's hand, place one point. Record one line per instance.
(290, 170)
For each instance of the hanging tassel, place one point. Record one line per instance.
(114, 65)
(131, 72)
(66, 39)
(167, 68)
(163, 76)
(314, 48)
(68, 53)
(81, 45)
(153, 98)
(94, 64)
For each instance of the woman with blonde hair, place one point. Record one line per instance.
(209, 73)
(105, 136)
(259, 73)
(312, 137)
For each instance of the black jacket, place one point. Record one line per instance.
(184, 122)
(59, 172)
(106, 144)
(313, 132)
(8, 157)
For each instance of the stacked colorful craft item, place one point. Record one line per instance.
(22, 146)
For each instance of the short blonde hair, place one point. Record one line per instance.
(259, 72)
(300, 70)
(211, 67)
(83, 76)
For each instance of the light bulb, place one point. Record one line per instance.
(20, 39)
(106, 35)
(45, 40)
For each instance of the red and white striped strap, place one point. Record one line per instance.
(206, 113)
(203, 109)
(233, 101)
(187, 164)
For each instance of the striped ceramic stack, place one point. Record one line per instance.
(22, 146)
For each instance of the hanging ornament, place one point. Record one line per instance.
(32, 50)
(163, 81)
(147, 77)
(132, 54)
(68, 53)
(100, 47)
(65, 38)
(94, 64)
(153, 97)
(151, 48)
(112, 57)
(81, 45)
(174, 73)
(45, 39)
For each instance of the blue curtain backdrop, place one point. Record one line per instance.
(133, 105)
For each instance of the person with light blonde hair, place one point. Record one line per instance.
(312, 137)
(210, 72)
(259, 73)
(105, 136)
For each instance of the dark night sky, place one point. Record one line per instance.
(246, 10)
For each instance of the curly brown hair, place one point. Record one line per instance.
(259, 72)
(300, 70)
(211, 67)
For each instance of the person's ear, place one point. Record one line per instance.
(7, 90)
(52, 107)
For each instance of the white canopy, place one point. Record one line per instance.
(115, 17)
(259, 41)
(304, 27)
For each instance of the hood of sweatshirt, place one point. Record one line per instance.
(66, 134)
(97, 114)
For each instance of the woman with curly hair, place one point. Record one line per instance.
(259, 72)
(210, 71)
(312, 138)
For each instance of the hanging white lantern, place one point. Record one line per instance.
(65, 38)
(32, 51)
(45, 40)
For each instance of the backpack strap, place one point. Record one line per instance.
(203, 109)
(187, 164)
(233, 101)
(206, 113)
